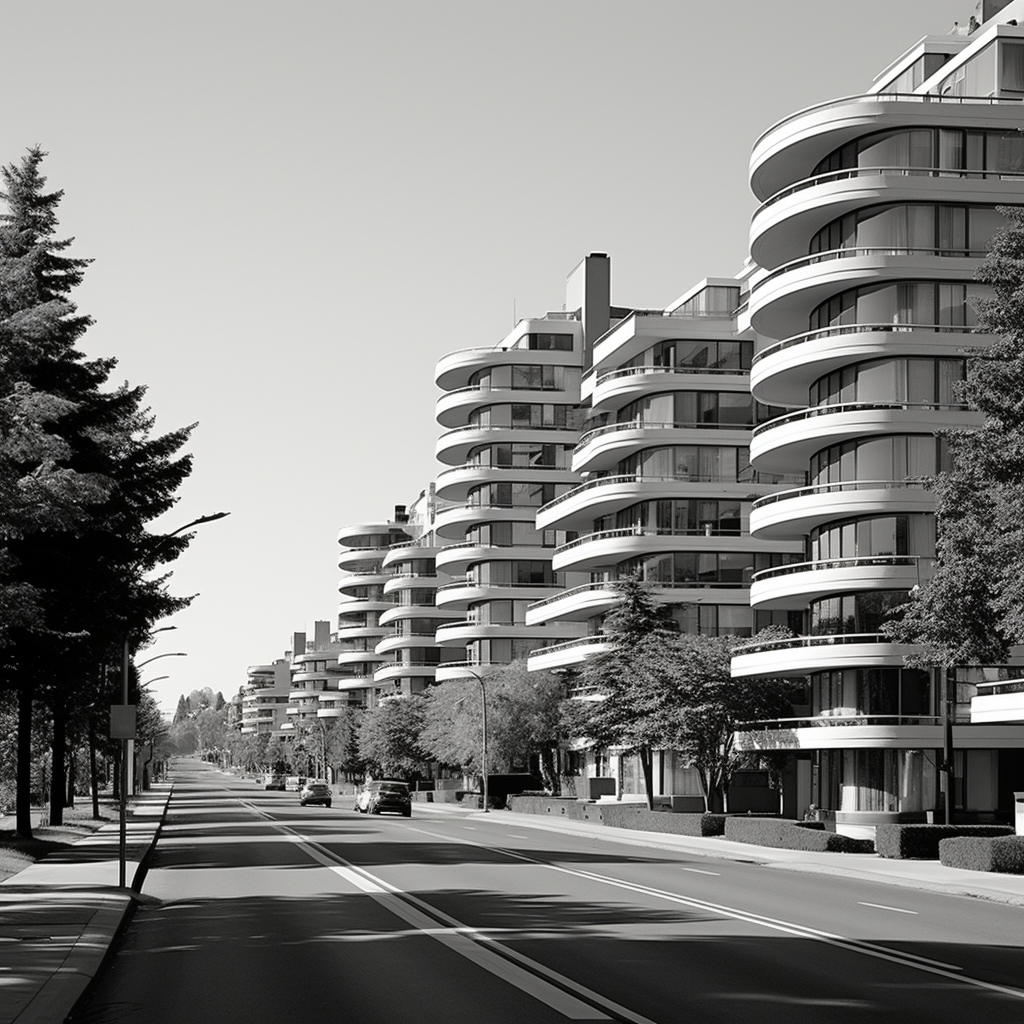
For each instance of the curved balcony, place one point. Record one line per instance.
(414, 581)
(398, 553)
(780, 228)
(453, 521)
(788, 442)
(410, 670)
(356, 607)
(362, 561)
(782, 300)
(454, 484)
(591, 599)
(370, 535)
(453, 446)
(458, 634)
(456, 559)
(805, 138)
(613, 389)
(458, 596)
(603, 448)
(783, 373)
(799, 656)
(569, 654)
(454, 408)
(792, 586)
(454, 370)
(605, 548)
(466, 670)
(855, 731)
(794, 513)
(606, 495)
(403, 642)
(349, 683)
(349, 658)
(407, 611)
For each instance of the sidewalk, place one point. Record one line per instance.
(919, 874)
(58, 917)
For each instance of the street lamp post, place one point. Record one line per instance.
(483, 752)
(126, 735)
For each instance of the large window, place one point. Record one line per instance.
(564, 417)
(915, 381)
(682, 353)
(944, 230)
(933, 151)
(875, 536)
(854, 613)
(923, 303)
(898, 457)
(723, 408)
(528, 378)
(522, 455)
(512, 495)
(682, 516)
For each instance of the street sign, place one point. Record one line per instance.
(122, 721)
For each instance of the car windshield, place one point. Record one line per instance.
(393, 787)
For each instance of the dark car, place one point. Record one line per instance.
(378, 797)
(315, 793)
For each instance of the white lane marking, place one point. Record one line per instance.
(468, 942)
(882, 906)
(469, 828)
(850, 945)
(698, 871)
(510, 835)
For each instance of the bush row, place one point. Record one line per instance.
(975, 853)
(907, 842)
(792, 835)
(634, 816)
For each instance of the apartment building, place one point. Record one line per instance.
(875, 213)
(264, 698)
(512, 416)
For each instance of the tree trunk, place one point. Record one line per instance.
(548, 772)
(646, 766)
(69, 799)
(58, 776)
(23, 775)
(94, 782)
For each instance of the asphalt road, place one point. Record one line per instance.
(256, 910)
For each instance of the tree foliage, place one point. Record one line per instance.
(656, 689)
(523, 721)
(389, 738)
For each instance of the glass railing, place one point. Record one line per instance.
(846, 329)
(852, 253)
(841, 407)
(824, 565)
(846, 717)
(615, 428)
(834, 488)
(797, 642)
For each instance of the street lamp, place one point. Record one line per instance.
(483, 704)
(127, 729)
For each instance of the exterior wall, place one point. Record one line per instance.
(876, 211)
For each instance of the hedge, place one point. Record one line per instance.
(1000, 853)
(910, 842)
(792, 835)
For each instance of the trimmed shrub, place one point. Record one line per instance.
(792, 835)
(921, 842)
(1004, 853)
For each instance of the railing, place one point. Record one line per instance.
(847, 485)
(490, 428)
(844, 329)
(610, 586)
(493, 586)
(642, 531)
(844, 718)
(838, 563)
(643, 371)
(889, 98)
(997, 689)
(614, 428)
(485, 389)
(852, 253)
(835, 410)
(875, 172)
(565, 645)
(827, 640)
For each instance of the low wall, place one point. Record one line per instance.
(633, 816)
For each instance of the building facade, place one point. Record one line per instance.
(876, 211)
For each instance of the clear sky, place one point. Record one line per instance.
(296, 208)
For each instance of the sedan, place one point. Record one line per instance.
(315, 793)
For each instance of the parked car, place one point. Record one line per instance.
(378, 797)
(315, 792)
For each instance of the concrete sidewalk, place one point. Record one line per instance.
(920, 874)
(58, 917)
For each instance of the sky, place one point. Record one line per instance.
(295, 209)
